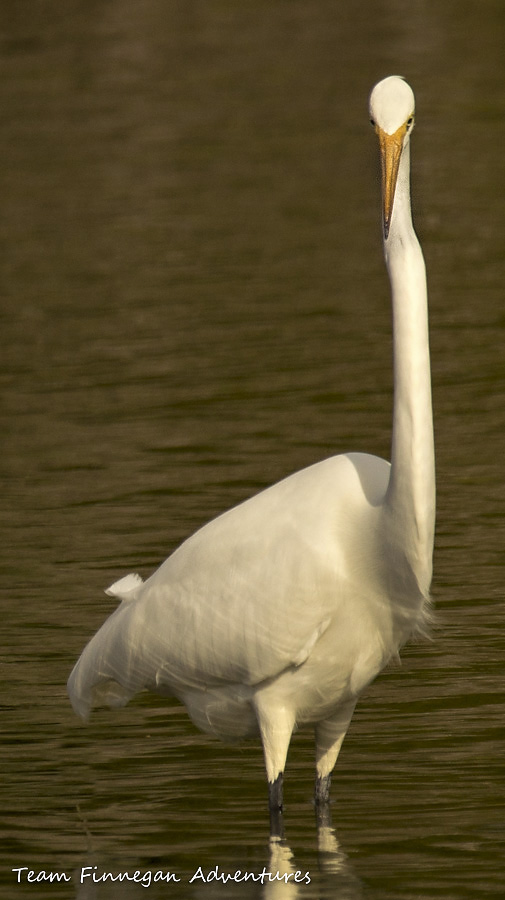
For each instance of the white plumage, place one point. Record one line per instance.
(281, 611)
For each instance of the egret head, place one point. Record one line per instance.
(391, 107)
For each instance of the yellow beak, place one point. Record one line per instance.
(391, 146)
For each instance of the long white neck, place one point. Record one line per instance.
(410, 499)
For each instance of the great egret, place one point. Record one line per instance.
(281, 611)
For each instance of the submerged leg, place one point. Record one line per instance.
(323, 815)
(329, 738)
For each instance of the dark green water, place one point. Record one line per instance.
(193, 304)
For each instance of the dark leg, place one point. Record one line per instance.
(322, 801)
(322, 790)
(275, 803)
(329, 736)
(323, 817)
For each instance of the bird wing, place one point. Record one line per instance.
(249, 594)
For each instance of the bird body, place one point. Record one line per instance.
(269, 590)
(281, 611)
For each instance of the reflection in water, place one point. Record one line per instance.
(279, 878)
(282, 867)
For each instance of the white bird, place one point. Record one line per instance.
(281, 611)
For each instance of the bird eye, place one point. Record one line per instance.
(372, 122)
(410, 121)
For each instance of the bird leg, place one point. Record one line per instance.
(330, 734)
(276, 723)
(275, 804)
(322, 801)
(323, 816)
(275, 793)
(322, 789)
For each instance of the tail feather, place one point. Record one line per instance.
(126, 588)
